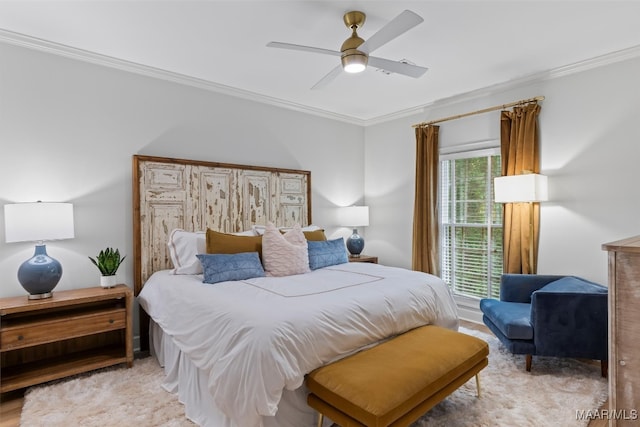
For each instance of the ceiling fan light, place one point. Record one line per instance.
(354, 61)
(354, 68)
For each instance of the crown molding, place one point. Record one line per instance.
(577, 67)
(46, 46)
(29, 42)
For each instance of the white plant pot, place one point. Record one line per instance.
(108, 281)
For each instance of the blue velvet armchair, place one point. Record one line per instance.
(544, 315)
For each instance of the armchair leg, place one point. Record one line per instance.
(528, 362)
(604, 368)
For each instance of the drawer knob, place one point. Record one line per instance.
(622, 363)
(20, 337)
(111, 320)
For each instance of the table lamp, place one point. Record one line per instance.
(38, 222)
(355, 216)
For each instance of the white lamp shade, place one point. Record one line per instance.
(354, 216)
(32, 222)
(530, 187)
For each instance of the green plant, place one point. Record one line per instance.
(108, 261)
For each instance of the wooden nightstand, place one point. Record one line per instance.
(364, 258)
(74, 331)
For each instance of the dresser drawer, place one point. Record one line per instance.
(57, 328)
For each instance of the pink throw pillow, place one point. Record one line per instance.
(284, 254)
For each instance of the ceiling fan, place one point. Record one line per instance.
(354, 53)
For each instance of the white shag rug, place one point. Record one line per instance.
(552, 394)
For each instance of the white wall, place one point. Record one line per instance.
(69, 129)
(590, 146)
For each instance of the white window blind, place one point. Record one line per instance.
(471, 223)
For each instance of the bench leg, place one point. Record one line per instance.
(478, 385)
(320, 419)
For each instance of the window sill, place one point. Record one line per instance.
(468, 308)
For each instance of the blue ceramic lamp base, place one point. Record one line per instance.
(355, 244)
(40, 274)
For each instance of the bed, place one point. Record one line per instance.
(236, 352)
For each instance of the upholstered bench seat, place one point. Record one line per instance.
(396, 382)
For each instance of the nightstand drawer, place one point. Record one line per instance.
(52, 329)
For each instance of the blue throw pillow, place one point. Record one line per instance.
(326, 252)
(223, 267)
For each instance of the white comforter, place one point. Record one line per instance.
(257, 337)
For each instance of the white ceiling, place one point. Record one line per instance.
(466, 45)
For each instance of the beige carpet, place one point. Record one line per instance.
(548, 396)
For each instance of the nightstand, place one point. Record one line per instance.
(364, 258)
(74, 331)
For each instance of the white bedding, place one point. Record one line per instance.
(258, 337)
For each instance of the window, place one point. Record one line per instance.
(471, 223)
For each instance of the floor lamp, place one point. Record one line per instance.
(526, 188)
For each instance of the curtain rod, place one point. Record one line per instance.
(486, 110)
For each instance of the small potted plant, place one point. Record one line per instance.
(108, 261)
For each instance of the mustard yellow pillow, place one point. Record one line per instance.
(315, 235)
(223, 243)
(311, 232)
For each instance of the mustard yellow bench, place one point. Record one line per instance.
(396, 382)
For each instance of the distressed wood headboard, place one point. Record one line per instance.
(195, 195)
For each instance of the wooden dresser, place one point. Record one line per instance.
(72, 332)
(624, 331)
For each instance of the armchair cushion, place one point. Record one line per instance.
(511, 318)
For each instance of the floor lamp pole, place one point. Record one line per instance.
(531, 257)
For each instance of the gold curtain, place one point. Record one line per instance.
(520, 154)
(425, 214)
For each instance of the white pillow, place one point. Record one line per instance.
(183, 248)
(284, 254)
(185, 245)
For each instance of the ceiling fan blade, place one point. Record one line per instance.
(397, 67)
(328, 78)
(397, 26)
(304, 48)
